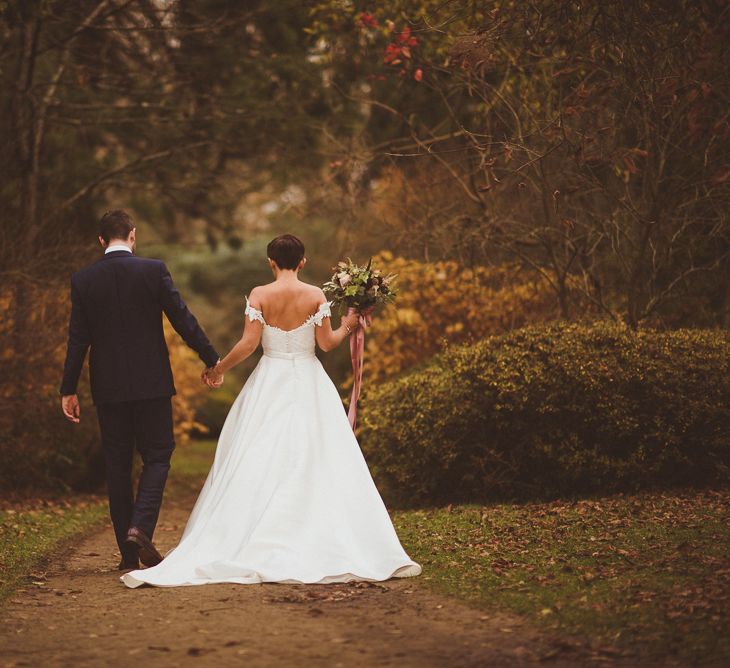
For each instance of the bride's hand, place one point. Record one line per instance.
(213, 378)
(350, 321)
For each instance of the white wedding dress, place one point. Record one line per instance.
(289, 497)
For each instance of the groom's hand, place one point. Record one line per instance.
(71, 408)
(211, 379)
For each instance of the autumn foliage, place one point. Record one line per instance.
(444, 303)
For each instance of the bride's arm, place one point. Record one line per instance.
(328, 338)
(243, 348)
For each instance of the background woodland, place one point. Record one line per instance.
(542, 163)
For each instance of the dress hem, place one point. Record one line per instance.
(407, 571)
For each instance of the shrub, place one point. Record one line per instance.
(554, 410)
(213, 413)
(191, 393)
(39, 449)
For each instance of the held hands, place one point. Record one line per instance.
(212, 377)
(71, 408)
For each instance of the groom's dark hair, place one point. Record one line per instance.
(115, 224)
(286, 250)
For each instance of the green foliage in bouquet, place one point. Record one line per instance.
(362, 288)
(558, 410)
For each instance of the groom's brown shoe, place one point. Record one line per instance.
(148, 553)
(127, 566)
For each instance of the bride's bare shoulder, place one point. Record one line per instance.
(258, 293)
(313, 291)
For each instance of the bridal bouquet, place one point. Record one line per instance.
(359, 290)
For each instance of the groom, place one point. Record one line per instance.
(116, 310)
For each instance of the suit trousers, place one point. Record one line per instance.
(147, 426)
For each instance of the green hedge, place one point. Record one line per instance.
(545, 411)
(214, 411)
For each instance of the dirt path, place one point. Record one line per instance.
(79, 614)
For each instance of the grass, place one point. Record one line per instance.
(649, 573)
(33, 530)
(646, 573)
(190, 465)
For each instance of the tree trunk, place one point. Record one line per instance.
(25, 121)
(563, 298)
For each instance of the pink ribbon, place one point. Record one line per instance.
(357, 355)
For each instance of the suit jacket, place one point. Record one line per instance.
(116, 309)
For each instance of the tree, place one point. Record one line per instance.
(173, 108)
(154, 99)
(590, 142)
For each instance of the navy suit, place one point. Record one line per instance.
(116, 310)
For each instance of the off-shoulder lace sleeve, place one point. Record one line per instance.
(324, 311)
(253, 313)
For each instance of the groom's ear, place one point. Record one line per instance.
(102, 242)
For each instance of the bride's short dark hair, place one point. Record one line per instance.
(286, 250)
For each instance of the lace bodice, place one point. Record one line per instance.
(290, 343)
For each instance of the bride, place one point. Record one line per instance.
(289, 497)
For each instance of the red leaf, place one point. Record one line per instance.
(404, 37)
(367, 20)
(392, 54)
